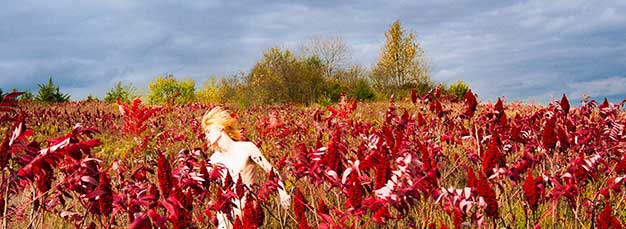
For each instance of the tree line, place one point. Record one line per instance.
(319, 73)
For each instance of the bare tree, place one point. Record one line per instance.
(332, 52)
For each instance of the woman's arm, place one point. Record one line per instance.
(258, 158)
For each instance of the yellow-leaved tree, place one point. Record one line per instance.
(210, 92)
(402, 64)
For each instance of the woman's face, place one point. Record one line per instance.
(214, 132)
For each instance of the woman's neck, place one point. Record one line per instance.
(224, 143)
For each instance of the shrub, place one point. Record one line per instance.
(362, 91)
(330, 92)
(26, 96)
(458, 89)
(170, 90)
(122, 92)
(210, 92)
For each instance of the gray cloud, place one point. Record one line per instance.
(531, 50)
(602, 87)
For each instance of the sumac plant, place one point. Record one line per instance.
(427, 161)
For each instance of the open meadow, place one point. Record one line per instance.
(424, 162)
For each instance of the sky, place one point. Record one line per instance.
(532, 51)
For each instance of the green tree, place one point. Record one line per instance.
(50, 93)
(281, 77)
(458, 89)
(124, 93)
(210, 92)
(234, 89)
(170, 90)
(402, 63)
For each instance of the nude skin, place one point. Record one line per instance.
(240, 158)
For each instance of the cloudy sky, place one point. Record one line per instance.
(530, 50)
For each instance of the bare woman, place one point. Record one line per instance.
(239, 157)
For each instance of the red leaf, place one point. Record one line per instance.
(106, 198)
(486, 192)
(606, 219)
(383, 171)
(564, 104)
(355, 191)
(471, 178)
(141, 222)
(11, 96)
(548, 136)
(164, 174)
(470, 104)
(381, 214)
(604, 104)
(492, 157)
(299, 207)
(530, 191)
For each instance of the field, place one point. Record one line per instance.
(423, 162)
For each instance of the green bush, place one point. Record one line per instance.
(362, 91)
(122, 92)
(330, 92)
(50, 93)
(458, 89)
(168, 90)
(27, 95)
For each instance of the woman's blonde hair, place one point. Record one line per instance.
(219, 116)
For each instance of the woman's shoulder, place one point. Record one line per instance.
(247, 145)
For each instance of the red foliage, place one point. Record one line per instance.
(607, 220)
(564, 104)
(548, 136)
(531, 192)
(355, 191)
(142, 222)
(333, 156)
(105, 199)
(135, 116)
(164, 175)
(469, 107)
(492, 157)
(489, 196)
(500, 114)
(457, 218)
(322, 207)
(383, 171)
(299, 207)
(471, 178)
(376, 167)
(253, 214)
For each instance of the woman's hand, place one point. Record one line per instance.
(285, 199)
